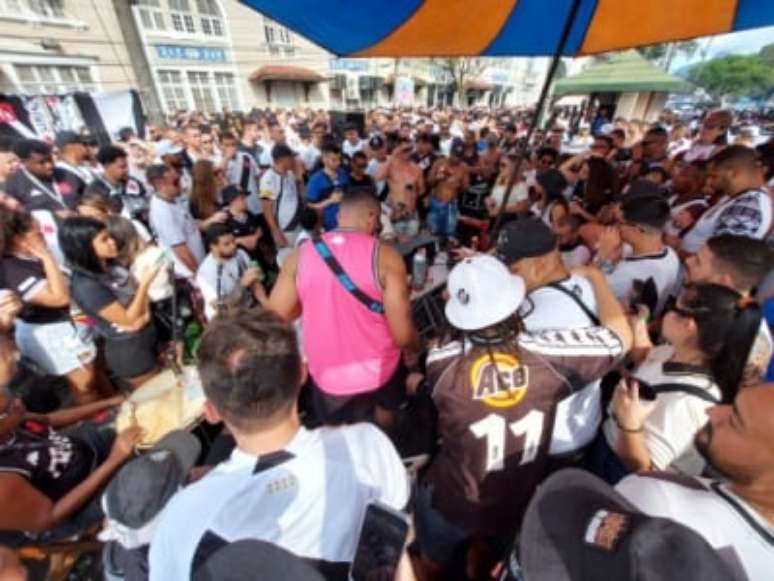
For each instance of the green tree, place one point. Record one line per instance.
(734, 76)
(767, 54)
(461, 70)
(664, 53)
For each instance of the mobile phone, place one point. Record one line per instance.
(381, 542)
(647, 391)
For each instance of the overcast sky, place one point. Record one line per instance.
(748, 41)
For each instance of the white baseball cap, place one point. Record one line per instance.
(167, 147)
(482, 293)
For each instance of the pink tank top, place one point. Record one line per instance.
(349, 348)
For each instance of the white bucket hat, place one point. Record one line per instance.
(482, 293)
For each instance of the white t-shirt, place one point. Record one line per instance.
(748, 214)
(161, 288)
(373, 165)
(575, 255)
(311, 503)
(210, 278)
(282, 190)
(742, 537)
(577, 416)
(672, 419)
(309, 154)
(348, 149)
(663, 267)
(174, 225)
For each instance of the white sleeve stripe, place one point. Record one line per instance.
(34, 290)
(451, 350)
(598, 341)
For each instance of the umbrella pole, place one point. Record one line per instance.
(568, 24)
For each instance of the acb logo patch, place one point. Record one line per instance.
(501, 384)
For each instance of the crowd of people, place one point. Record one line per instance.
(600, 371)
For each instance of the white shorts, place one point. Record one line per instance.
(58, 348)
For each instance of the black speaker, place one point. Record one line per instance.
(340, 120)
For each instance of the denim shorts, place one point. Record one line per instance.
(438, 538)
(442, 217)
(57, 348)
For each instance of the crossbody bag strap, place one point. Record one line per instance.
(687, 389)
(344, 279)
(583, 306)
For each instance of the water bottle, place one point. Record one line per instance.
(419, 269)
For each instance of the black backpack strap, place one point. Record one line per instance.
(581, 305)
(687, 389)
(343, 278)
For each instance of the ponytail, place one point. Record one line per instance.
(727, 325)
(729, 365)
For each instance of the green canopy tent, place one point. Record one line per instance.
(636, 87)
(625, 72)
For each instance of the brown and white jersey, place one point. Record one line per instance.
(496, 405)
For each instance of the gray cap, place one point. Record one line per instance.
(144, 485)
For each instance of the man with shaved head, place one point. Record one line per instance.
(735, 515)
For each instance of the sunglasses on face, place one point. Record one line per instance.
(684, 313)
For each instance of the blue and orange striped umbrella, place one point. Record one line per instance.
(420, 28)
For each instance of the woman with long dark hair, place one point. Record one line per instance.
(595, 183)
(655, 414)
(45, 332)
(119, 308)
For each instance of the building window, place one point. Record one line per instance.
(52, 79)
(48, 8)
(172, 90)
(277, 36)
(227, 90)
(202, 91)
(150, 14)
(10, 7)
(53, 9)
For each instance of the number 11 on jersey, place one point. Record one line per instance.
(493, 428)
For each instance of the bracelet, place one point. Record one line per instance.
(627, 430)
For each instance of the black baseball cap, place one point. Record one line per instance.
(67, 137)
(649, 211)
(253, 559)
(524, 237)
(230, 193)
(281, 150)
(639, 188)
(578, 528)
(376, 142)
(143, 486)
(553, 182)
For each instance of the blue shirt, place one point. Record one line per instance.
(320, 188)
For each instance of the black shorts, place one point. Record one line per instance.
(346, 409)
(131, 355)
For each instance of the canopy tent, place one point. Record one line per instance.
(421, 28)
(621, 73)
(427, 28)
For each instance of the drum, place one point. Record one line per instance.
(163, 404)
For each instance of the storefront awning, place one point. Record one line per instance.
(285, 73)
(478, 85)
